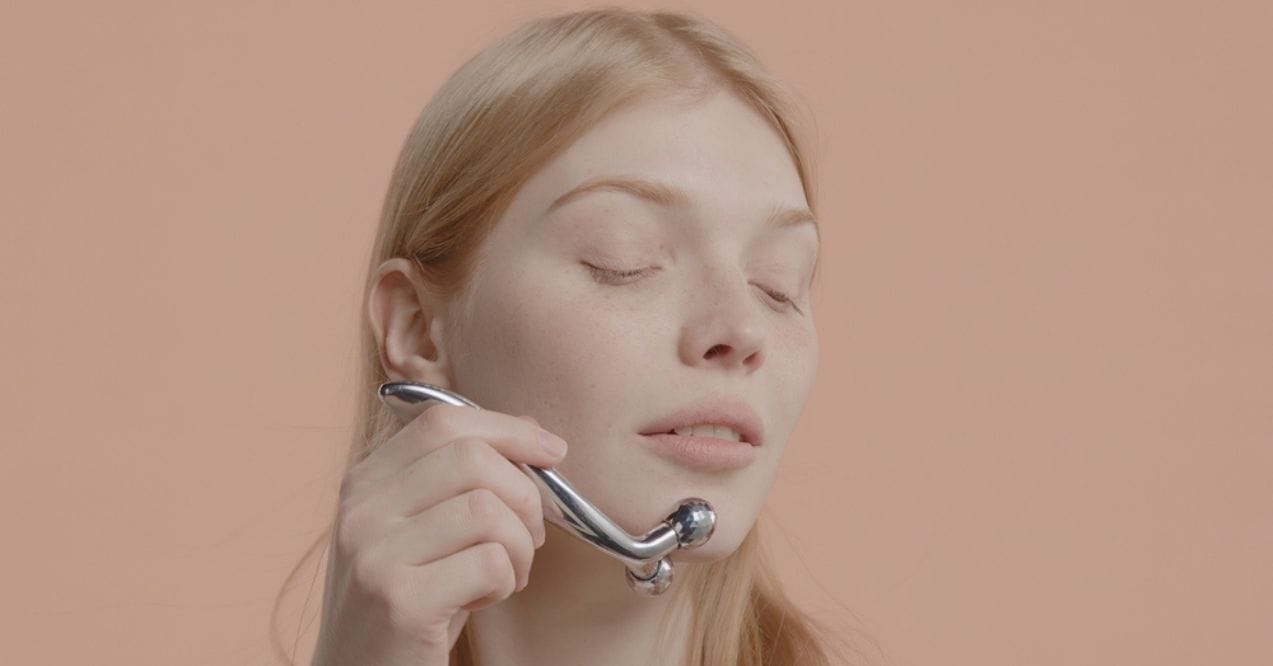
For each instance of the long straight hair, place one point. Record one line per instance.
(488, 128)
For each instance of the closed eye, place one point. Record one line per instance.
(618, 275)
(781, 297)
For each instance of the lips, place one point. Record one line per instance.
(735, 415)
(704, 454)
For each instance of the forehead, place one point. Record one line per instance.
(715, 155)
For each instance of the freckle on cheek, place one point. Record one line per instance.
(533, 341)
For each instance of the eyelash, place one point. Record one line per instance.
(614, 276)
(617, 276)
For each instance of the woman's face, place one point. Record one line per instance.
(604, 313)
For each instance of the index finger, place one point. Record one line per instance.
(517, 438)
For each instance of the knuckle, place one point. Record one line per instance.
(367, 575)
(471, 454)
(493, 564)
(347, 532)
(351, 509)
(398, 611)
(484, 506)
(530, 501)
(400, 601)
(406, 607)
(437, 421)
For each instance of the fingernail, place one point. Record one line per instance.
(552, 444)
(540, 537)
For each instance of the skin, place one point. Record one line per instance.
(594, 358)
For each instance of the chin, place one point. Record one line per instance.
(725, 540)
(735, 517)
(709, 552)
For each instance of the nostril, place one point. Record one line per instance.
(715, 350)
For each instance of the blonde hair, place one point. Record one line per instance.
(490, 126)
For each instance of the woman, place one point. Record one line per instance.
(599, 223)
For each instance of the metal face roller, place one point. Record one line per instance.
(648, 570)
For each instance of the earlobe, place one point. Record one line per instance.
(406, 321)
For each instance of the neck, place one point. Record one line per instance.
(578, 609)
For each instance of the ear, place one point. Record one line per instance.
(408, 323)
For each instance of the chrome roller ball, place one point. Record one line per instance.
(694, 522)
(656, 584)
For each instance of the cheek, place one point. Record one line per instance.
(542, 346)
(795, 357)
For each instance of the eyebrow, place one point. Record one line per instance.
(670, 196)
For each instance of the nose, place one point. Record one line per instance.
(724, 327)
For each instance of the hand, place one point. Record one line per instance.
(435, 523)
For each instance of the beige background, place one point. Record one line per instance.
(1042, 434)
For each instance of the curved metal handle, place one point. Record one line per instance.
(648, 570)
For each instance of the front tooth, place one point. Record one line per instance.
(724, 432)
(707, 430)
